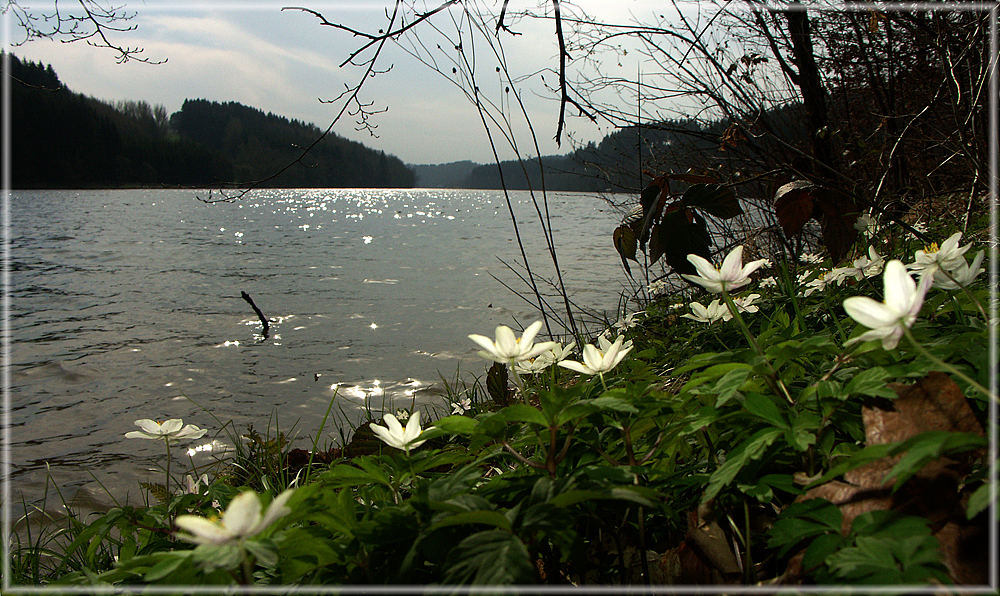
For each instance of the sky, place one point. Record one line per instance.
(285, 62)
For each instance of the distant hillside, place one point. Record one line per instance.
(258, 144)
(62, 139)
(444, 175)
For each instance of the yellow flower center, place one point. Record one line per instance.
(933, 248)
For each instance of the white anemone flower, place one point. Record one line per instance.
(599, 361)
(629, 321)
(746, 304)
(888, 320)
(862, 267)
(461, 406)
(394, 435)
(193, 487)
(715, 311)
(543, 361)
(241, 520)
(811, 258)
(961, 275)
(819, 282)
(604, 340)
(508, 349)
(172, 430)
(732, 275)
(948, 256)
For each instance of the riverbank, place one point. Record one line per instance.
(811, 424)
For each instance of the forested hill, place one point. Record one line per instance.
(613, 165)
(62, 139)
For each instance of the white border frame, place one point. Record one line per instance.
(5, 449)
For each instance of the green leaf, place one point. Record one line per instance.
(763, 406)
(491, 557)
(457, 425)
(978, 501)
(855, 460)
(610, 402)
(927, 446)
(485, 517)
(750, 449)
(800, 521)
(572, 497)
(820, 548)
(168, 564)
(871, 381)
(716, 199)
(727, 386)
(524, 413)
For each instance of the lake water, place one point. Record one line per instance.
(124, 301)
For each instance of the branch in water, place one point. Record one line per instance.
(260, 315)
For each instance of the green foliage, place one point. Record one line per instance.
(701, 437)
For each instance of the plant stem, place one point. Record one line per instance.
(771, 378)
(322, 425)
(167, 484)
(924, 352)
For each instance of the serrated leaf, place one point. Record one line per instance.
(927, 446)
(715, 199)
(871, 381)
(801, 521)
(727, 386)
(747, 451)
(491, 557)
(158, 491)
(496, 384)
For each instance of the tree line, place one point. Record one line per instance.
(62, 139)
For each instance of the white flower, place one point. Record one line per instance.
(461, 406)
(919, 226)
(948, 256)
(393, 434)
(629, 321)
(963, 274)
(544, 360)
(811, 258)
(508, 349)
(659, 286)
(730, 276)
(599, 361)
(241, 520)
(402, 415)
(818, 283)
(862, 267)
(889, 319)
(715, 311)
(746, 303)
(865, 224)
(768, 282)
(718, 311)
(172, 430)
(194, 486)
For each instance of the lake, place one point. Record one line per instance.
(122, 302)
